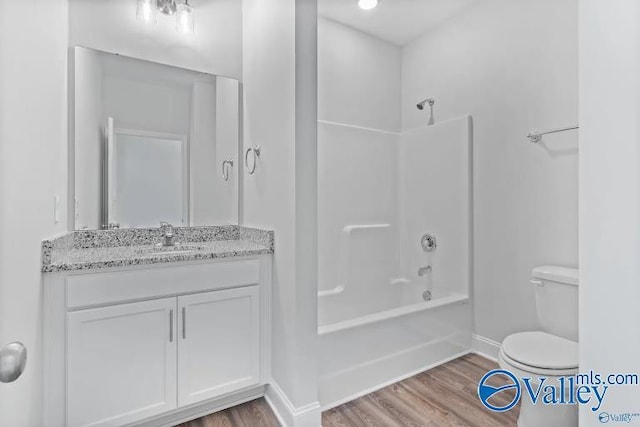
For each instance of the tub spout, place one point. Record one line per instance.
(424, 270)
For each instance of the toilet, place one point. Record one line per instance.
(552, 351)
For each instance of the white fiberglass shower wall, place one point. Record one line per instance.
(381, 189)
(380, 193)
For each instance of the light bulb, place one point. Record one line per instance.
(367, 4)
(184, 18)
(146, 11)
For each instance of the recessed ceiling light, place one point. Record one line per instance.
(367, 4)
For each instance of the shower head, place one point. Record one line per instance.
(429, 101)
(421, 105)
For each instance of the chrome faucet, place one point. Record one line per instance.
(167, 234)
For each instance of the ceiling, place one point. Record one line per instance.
(396, 21)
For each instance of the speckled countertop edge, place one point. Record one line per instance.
(96, 249)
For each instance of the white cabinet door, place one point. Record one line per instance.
(121, 363)
(219, 343)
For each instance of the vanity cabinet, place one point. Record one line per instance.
(155, 345)
(218, 343)
(121, 362)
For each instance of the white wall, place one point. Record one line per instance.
(358, 78)
(280, 116)
(512, 65)
(610, 197)
(33, 128)
(215, 46)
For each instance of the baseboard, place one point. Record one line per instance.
(485, 347)
(287, 414)
(193, 412)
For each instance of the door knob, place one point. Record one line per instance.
(13, 359)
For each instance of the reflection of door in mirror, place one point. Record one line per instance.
(147, 178)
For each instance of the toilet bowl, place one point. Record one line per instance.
(536, 355)
(550, 353)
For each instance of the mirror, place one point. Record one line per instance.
(152, 143)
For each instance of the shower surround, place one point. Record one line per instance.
(387, 308)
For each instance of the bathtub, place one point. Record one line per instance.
(363, 354)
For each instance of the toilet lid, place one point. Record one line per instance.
(541, 350)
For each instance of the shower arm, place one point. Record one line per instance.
(431, 102)
(431, 118)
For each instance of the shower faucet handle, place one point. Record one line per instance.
(429, 242)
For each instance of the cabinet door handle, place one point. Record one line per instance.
(184, 323)
(171, 325)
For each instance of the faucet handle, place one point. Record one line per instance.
(166, 228)
(167, 234)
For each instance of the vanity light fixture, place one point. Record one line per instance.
(367, 4)
(184, 19)
(147, 11)
(168, 7)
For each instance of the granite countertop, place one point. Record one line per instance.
(96, 249)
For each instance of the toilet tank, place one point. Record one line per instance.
(556, 290)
